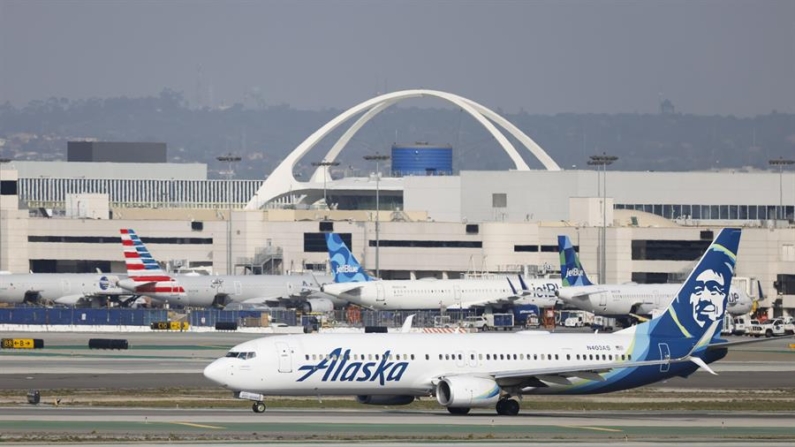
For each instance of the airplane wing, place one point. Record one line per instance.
(69, 300)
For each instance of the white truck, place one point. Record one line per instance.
(487, 322)
(769, 328)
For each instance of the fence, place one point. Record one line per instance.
(88, 317)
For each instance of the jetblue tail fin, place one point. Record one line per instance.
(700, 304)
(344, 265)
(571, 271)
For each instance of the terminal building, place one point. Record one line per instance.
(432, 221)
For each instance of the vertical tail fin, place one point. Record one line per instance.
(344, 265)
(701, 302)
(571, 271)
(138, 259)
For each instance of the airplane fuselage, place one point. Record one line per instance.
(62, 288)
(639, 299)
(435, 294)
(412, 364)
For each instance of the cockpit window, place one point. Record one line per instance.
(241, 355)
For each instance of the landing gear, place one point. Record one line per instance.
(258, 407)
(458, 411)
(507, 407)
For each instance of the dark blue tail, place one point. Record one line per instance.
(571, 271)
(344, 265)
(702, 299)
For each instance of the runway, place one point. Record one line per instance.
(157, 362)
(396, 425)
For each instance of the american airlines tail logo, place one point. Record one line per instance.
(576, 272)
(338, 368)
(345, 268)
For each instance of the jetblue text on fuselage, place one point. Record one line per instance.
(339, 368)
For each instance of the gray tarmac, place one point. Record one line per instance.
(171, 360)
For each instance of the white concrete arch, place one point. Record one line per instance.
(281, 181)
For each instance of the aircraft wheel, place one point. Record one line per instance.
(258, 407)
(507, 407)
(458, 411)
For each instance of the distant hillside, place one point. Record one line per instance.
(266, 135)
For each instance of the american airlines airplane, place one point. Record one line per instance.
(479, 370)
(69, 289)
(353, 284)
(620, 300)
(145, 277)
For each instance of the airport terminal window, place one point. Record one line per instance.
(117, 240)
(316, 242)
(426, 244)
(525, 248)
(668, 250)
(785, 284)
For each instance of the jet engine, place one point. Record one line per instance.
(385, 400)
(467, 392)
(318, 305)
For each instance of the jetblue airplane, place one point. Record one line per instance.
(69, 289)
(480, 370)
(620, 300)
(353, 284)
(145, 277)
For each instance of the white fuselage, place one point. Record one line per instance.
(405, 364)
(639, 299)
(448, 294)
(202, 290)
(61, 288)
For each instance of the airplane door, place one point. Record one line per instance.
(473, 358)
(657, 299)
(379, 291)
(238, 288)
(603, 299)
(457, 295)
(66, 287)
(665, 353)
(285, 358)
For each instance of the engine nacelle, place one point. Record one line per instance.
(467, 392)
(385, 400)
(318, 305)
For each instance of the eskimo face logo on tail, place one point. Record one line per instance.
(337, 367)
(708, 297)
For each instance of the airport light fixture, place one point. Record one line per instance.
(377, 158)
(325, 164)
(2, 162)
(603, 161)
(781, 162)
(229, 159)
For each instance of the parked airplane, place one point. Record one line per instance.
(465, 371)
(352, 283)
(70, 289)
(620, 300)
(145, 277)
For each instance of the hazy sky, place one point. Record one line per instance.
(708, 57)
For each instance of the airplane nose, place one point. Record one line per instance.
(215, 372)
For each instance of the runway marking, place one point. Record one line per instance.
(189, 424)
(584, 427)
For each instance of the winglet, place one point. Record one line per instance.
(513, 289)
(406, 328)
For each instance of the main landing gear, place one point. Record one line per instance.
(258, 407)
(507, 407)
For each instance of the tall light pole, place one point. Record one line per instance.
(377, 158)
(604, 161)
(325, 164)
(2, 162)
(780, 162)
(229, 159)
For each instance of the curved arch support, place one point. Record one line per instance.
(281, 181)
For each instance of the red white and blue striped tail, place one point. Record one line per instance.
(143, 270)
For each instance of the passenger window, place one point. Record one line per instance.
(427, 357)
(412, 356)
(542, 356)
(307, 356)
(556, 357)
(398, 357)
(629, 356)
(535, 356)
(488, 356)
(568, 357)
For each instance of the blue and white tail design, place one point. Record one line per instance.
(701, 303)
(571, 271)
(344, 265)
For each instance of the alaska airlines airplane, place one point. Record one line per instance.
(620, 300)
(69, 289)
(145, 277)
(479, 370)
(353, 284)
